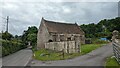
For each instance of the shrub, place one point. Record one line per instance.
(9, 47)
(98, 41)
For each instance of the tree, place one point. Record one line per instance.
(7, 36)
(103, 28)
(30, 35)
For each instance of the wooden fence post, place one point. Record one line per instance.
(63, 53)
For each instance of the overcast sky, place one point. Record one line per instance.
(25, 14)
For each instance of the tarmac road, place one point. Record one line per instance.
(20, 58)
(94, 58)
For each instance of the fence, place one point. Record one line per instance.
(116, 50)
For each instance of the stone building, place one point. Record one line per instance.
(60, 36)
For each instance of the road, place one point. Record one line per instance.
(20, 58)
(94, 58)
(0, 62)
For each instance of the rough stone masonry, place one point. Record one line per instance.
(60, 36)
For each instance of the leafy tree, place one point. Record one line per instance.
(30, 35)
(7, 36)
(102, 29)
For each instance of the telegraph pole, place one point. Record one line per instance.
(119, 9)
(7, 24)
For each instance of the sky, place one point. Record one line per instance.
(24, 13)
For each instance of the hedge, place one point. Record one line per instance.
(9, 47)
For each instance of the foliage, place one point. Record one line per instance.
(7, 36)
(98, 41)
(30, 35)
(9, 47)
(112, 63)
(103, 29)
(11, 44)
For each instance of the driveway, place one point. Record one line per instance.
(20, 58)
(94, 58)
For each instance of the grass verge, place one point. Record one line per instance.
(47, 55)
(89, 47)
(112, 63)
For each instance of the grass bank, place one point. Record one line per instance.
(46, 55)
(112, 63)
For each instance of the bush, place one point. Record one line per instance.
(9, 47)
(98, 41)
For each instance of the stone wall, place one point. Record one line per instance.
(43, 36)
(67, 46)
(82, 39)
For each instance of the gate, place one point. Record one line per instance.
(116, 50)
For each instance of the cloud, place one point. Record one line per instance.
(24, 14)
(66, 10)
(60, 0)
(9, 6)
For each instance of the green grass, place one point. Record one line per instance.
(112, 63)
(53, 55)
(89, 47)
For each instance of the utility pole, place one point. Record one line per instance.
(119, 9)
(7, 24)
